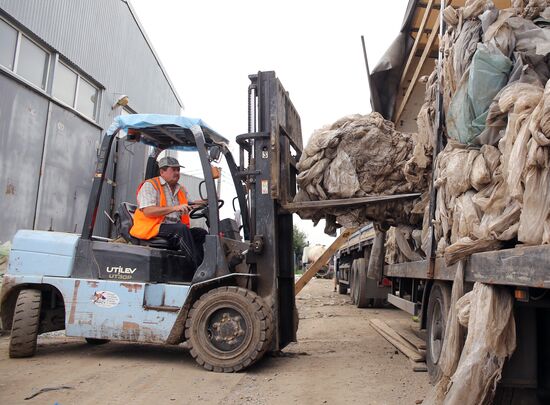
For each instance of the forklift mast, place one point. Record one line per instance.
(268, 155)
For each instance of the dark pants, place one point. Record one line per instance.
(189, 241)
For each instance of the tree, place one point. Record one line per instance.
(299, 241)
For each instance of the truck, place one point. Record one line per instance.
(229, 310)
(351, 266)
(423, 287)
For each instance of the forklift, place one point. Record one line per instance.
(232, 308)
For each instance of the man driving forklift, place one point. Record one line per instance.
(163, 211)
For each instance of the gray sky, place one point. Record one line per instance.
(209, 48)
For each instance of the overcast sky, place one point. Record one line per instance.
(209, 47)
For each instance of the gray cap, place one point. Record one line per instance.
(169, 161)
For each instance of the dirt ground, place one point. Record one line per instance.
(339, 359)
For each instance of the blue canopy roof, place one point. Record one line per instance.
(165, 131)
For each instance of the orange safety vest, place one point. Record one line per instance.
(148, 227)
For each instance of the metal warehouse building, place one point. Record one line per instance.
(64, 64)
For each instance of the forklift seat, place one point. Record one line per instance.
(124, 220)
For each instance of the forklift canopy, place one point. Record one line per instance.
(165, 131)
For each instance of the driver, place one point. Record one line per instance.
(163, 210)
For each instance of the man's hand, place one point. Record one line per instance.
(183, 208)
(198, 203)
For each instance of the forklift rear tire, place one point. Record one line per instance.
(26, 320)
(96, 342)
(229, 329)
(439, 304)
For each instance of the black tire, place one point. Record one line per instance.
(439, 304)
(352, 290)
(342, 288)
(229, 329)
(379, 303)
(361, 280)
(296, 320)
(96, 342)
(26, 320)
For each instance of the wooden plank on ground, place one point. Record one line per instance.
(418, 366)
(406, 333)
(395, 339)
(321, 261)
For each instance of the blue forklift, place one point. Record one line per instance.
(232, 308)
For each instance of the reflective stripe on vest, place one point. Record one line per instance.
(148, 227)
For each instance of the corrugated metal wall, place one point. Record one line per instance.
(47, 151)
(102, 38)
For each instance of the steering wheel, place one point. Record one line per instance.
(201, 211)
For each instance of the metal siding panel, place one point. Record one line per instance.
(130, 171)
(70, 157)
(22, 127)
(103, 39)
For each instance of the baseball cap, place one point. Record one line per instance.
(169, 161)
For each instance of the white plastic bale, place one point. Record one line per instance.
(340, 178)
(529, 9)
(536, 206)
(473, 8)
(458, 170)
(501, 33)
(480, 175)
(364, 155)
(465, 47)
(490, 340)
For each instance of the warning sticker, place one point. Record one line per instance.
(105, 299)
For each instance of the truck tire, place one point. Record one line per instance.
(352, 285)
(438, 309)
(26, 320)
(379, 303)
(229, 329)
(342, 288)
(96, 342)
(361, 299)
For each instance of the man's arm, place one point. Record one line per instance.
(155, 211)
(148, 200)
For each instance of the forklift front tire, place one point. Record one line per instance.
(26, 320)
(228, 329)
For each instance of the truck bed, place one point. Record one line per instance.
(521, 266)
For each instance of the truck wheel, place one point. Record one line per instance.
(26, 319)
(96, 342)
(353, 274)
(361, 299)
(228, 329)
(342, 288)
(438, 310)
(379, 303)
